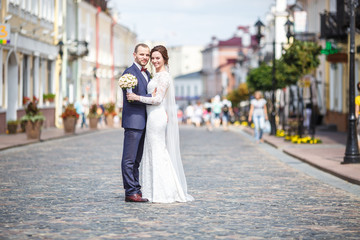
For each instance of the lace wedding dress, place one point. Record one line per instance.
(162, 177)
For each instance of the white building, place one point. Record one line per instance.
(185, 59)
(188, 88)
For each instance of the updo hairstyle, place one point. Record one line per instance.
(162, 50)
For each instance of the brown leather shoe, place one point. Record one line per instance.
(135, 198)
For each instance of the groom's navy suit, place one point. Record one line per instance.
(134, 123)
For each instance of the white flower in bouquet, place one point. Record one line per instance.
(128, 81)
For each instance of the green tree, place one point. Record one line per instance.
(301, 58)
(298, 60)
(241, 93)
(261, 78)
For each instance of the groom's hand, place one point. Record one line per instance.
(154, 93)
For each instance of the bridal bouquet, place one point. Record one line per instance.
(128, 81)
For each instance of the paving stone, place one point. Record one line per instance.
(72, 189)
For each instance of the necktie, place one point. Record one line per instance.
(143, 69)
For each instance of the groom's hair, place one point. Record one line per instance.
(140, 45)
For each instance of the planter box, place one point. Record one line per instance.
(69, 124)
(93, 122)
(12, 128)
(33, 129)
(110, 120)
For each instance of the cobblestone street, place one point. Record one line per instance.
(72, 189)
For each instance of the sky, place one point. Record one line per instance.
(188, 22)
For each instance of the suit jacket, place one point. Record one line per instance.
(134, 113)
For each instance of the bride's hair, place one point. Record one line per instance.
(162, 50)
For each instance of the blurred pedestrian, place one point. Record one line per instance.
(216, 110)
(258, 114)
(85, 107)
(180, 115)
(226, 111)
(100, 112)
(357, 111)
(198, 113)
(65, 102)
(189, 113)
(207, 115)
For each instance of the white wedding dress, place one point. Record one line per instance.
(162, 177)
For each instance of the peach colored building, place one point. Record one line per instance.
(224, 62)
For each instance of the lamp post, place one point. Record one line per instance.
(259, 25)
(289, 25)
(352, 150)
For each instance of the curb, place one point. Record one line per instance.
(324, 169)
(52, 138)
(346, 178)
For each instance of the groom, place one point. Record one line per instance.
(134, 123)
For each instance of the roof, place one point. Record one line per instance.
(234, 41)
(189, 75)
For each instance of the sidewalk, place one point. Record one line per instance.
(20, 139)
(326, 156)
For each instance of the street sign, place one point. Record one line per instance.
(329, 49)
(4, 33)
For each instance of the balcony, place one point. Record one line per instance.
(330, 28)
(334, 25)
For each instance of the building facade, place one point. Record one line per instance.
(63, 47)
(226, 62)
(185, 59)
(28, 61)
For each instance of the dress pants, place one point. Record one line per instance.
(131, 158)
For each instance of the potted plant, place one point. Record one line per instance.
(93, 116)
(26, 100)
(110, 113)
(51, 97)
(12, 126)
(45, 97)
(70, 117)
(34, 119)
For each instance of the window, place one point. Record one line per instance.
(188, 91)
(196, 91)
(176, 91)
(49, 78)
(34, 7)
(25, 77)
(336, 87)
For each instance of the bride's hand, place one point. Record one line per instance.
(132, 97)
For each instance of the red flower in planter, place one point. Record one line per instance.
(26, 100)
(70, 111)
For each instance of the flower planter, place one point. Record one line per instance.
(33, 129)
(12, 128)
(69, 124)
(23, 126)
(93, 122)
(110, 120)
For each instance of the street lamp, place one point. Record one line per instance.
(78, 49)
(289, 26)
(259, 25)
(259, 29)
(352, 150)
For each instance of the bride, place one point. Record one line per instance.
(161, 172)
